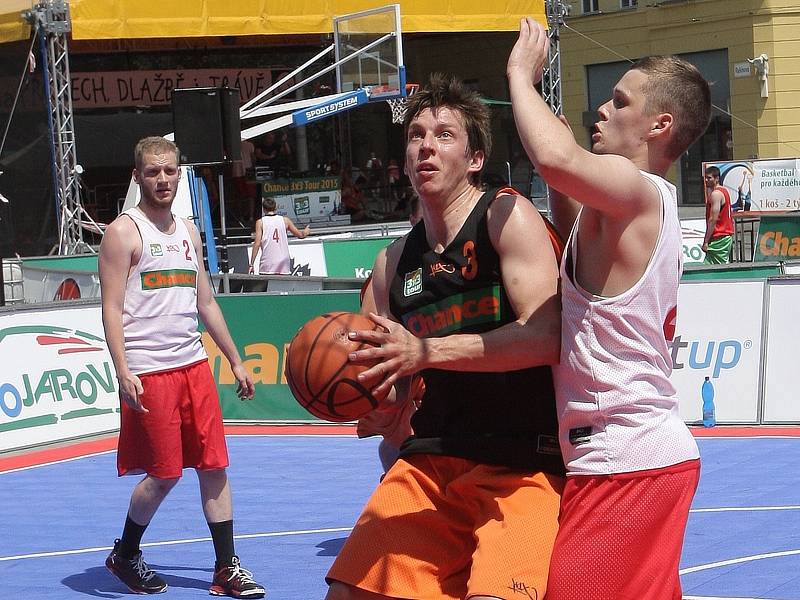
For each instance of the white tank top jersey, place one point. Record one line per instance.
(274, 247)
(159, 318)
(617, 410)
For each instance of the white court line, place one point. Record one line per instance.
(245, 536)
(742, 509)
(736, 561)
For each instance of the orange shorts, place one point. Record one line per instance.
(182, 430)
(439, 527)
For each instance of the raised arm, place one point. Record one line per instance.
(609, 183)
(212, 317)
(119, 248)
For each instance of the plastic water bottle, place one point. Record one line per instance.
(707, 392)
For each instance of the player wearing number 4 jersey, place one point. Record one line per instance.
(153, 288)
(632, 464)
(270, 238)
(468, 299)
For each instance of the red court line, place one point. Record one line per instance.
(746, 431)
(106, 444)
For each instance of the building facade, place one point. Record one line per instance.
(755, 109)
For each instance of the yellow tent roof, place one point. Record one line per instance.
(12, 26)
(115, 19)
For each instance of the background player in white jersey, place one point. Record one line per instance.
(632, 464)
(270, 237)
(153, 287)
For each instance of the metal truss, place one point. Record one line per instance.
(551, 78)
(51, 18)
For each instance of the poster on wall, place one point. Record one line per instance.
(761, 185)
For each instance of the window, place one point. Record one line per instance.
(627, 3)
(590, 6)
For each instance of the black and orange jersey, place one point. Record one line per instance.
(506, 418)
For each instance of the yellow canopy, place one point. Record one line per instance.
(12, 27)
(114, 19)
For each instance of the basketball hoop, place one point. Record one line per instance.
(398, 105)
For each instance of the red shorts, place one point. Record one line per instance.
(182, 430)
(620, 536)
(449, 528)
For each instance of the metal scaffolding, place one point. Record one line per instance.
(551, 78)
(51, 18)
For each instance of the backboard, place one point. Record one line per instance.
(374, 41)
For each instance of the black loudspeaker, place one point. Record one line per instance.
(206, 124)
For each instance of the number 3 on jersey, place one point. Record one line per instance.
(470, 270)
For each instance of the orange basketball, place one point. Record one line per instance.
(322, 379)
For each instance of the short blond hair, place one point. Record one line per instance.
(154, 145)
(677, 87)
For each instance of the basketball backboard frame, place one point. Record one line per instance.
(369, 53)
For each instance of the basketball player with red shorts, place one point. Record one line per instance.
(468, 299)
(632, 464)
(154, 288)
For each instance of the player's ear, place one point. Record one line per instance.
(135, 175)
(476, 161)
(661, 125)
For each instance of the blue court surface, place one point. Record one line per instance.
(296, 497)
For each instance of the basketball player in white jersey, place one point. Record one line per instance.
(271, 238)
(632, 463)
(153, 287)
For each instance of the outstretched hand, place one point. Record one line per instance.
(530, 53)
(398, 351)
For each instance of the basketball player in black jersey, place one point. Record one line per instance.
(468, 298)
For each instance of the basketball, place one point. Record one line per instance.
(321, 378)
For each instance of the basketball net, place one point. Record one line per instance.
(398, 105)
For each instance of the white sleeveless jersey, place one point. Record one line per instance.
(159, 318)
(617, 410)
(274, 246)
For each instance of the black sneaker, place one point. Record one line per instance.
(135, 573)
(232, 580)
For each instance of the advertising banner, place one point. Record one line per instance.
(353, 258)
(308, 200)
(57, 380)
(761, 185)
(328, 109)
(692, 234)
(778, 238)
(783, 330)
(151, 88)
(718, 336)
(262, 327)
(308, 259)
